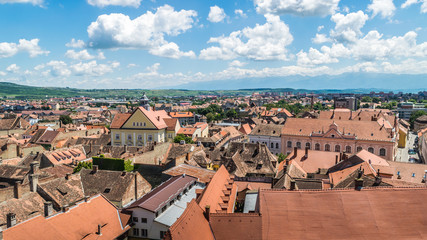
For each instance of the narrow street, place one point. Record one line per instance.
(403, 153)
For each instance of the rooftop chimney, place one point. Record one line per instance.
(207, 212)
(34, 181)
(295, 152)
(188, 156)
(358, 182)
(306, 152)
(48, 209)
(94, 168)
(65, 208)
(336, 159)
(378, 179)
(67, 176)
(136, 185)
(99, 229)
(11, 220)
(34, 167)
(17, 190)
(293, 185)
(126, 148)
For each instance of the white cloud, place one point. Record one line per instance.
(13, 68)
(75, 43)
(123, 3)
(297, 7)
(347, 27)
(62, 69)
(29, 46)
(385, 8)
(57, 69)
(314, 57)
(216, 14)
(34, 2)
(2, 73)
(171, 50)
(82, 55)
(319, 28)
(320, 38)
(131, 65)
(240, 13)
(408, 3)
(237, 63)
(146, 31)
(264, 42)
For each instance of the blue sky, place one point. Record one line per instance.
(162, 44)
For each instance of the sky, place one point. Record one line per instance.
(164, 44)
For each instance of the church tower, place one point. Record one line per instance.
(144, 102)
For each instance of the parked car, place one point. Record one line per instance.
(413, 160)
(412, 152)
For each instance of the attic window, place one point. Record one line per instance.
(274, 132)
(372, 134)
(413, 174)
(107, 190)
(258, 166)
(333, 135)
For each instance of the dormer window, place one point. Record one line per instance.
(107, 190)
(332, 135)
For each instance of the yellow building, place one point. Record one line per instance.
(403, 132)
(140, 127)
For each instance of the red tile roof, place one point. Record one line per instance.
(203, 175)
(80, 222)
(171, 123)
(119, 120)
(181, 114)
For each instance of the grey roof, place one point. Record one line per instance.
(173, 212)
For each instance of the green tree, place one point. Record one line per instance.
(65, 119)
(128, 166)
(376, 99)
(231, 113)
(415, 115)
(281, 157)
(366, 99)
(180, 137)
(210, 117)
(80, 165)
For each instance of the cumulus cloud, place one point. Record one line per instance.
(2, 73)
(75, 43)
(237, 63)
(408, 3)
(240, 13)
(62, 69)
(264, 42)
(123, 3)
(83, 55)
(385, 8)
(147, 31)
(13, 68)
(320, 38)
(33, 2)
(297, 7)
(30, 46)
(347, 27)
(314, 57)
(216, 14)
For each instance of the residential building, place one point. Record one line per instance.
(184, 118)
(339, 136)
(405, 110)
(156, 211)
(268, 134)
(345, 102)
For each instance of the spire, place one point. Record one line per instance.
(144, 102)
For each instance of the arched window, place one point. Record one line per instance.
(299, 145)
(308, 145)
(337, 148)
(277, 145)
(358, 149)
(382, 151)
(272, 145)
(348, 149)
(289, 144)
(371, 149)
(327, 147)
(317, 147)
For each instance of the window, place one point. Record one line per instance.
(332, 135)
(348, 149)
(143, 220)
(164, 208)
(139, 137)
(337, 148)
(170, 135)
(327, 147)
(371, 149)
(272, 145)
(107, 190)
(358, 149)
(289, 144)
(129, 137)
(133, 124)
(144, 232)
(144, 124)
(135, 232)
(299, 145)
(308, 145)
(258, 166)
(171, 202)
(117, 136)
(277, 145)
(150, 138)
(382, 151)
(134, 219)
(317, 147)
(162, 234)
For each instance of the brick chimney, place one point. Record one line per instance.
(94, 168)
(48, 209)
(336, 159)
(17, 190)
(306, 152)
(293, 185)
(11, 220)
(34, 181)
(34, 167)
(295, 152)
(207, 212)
